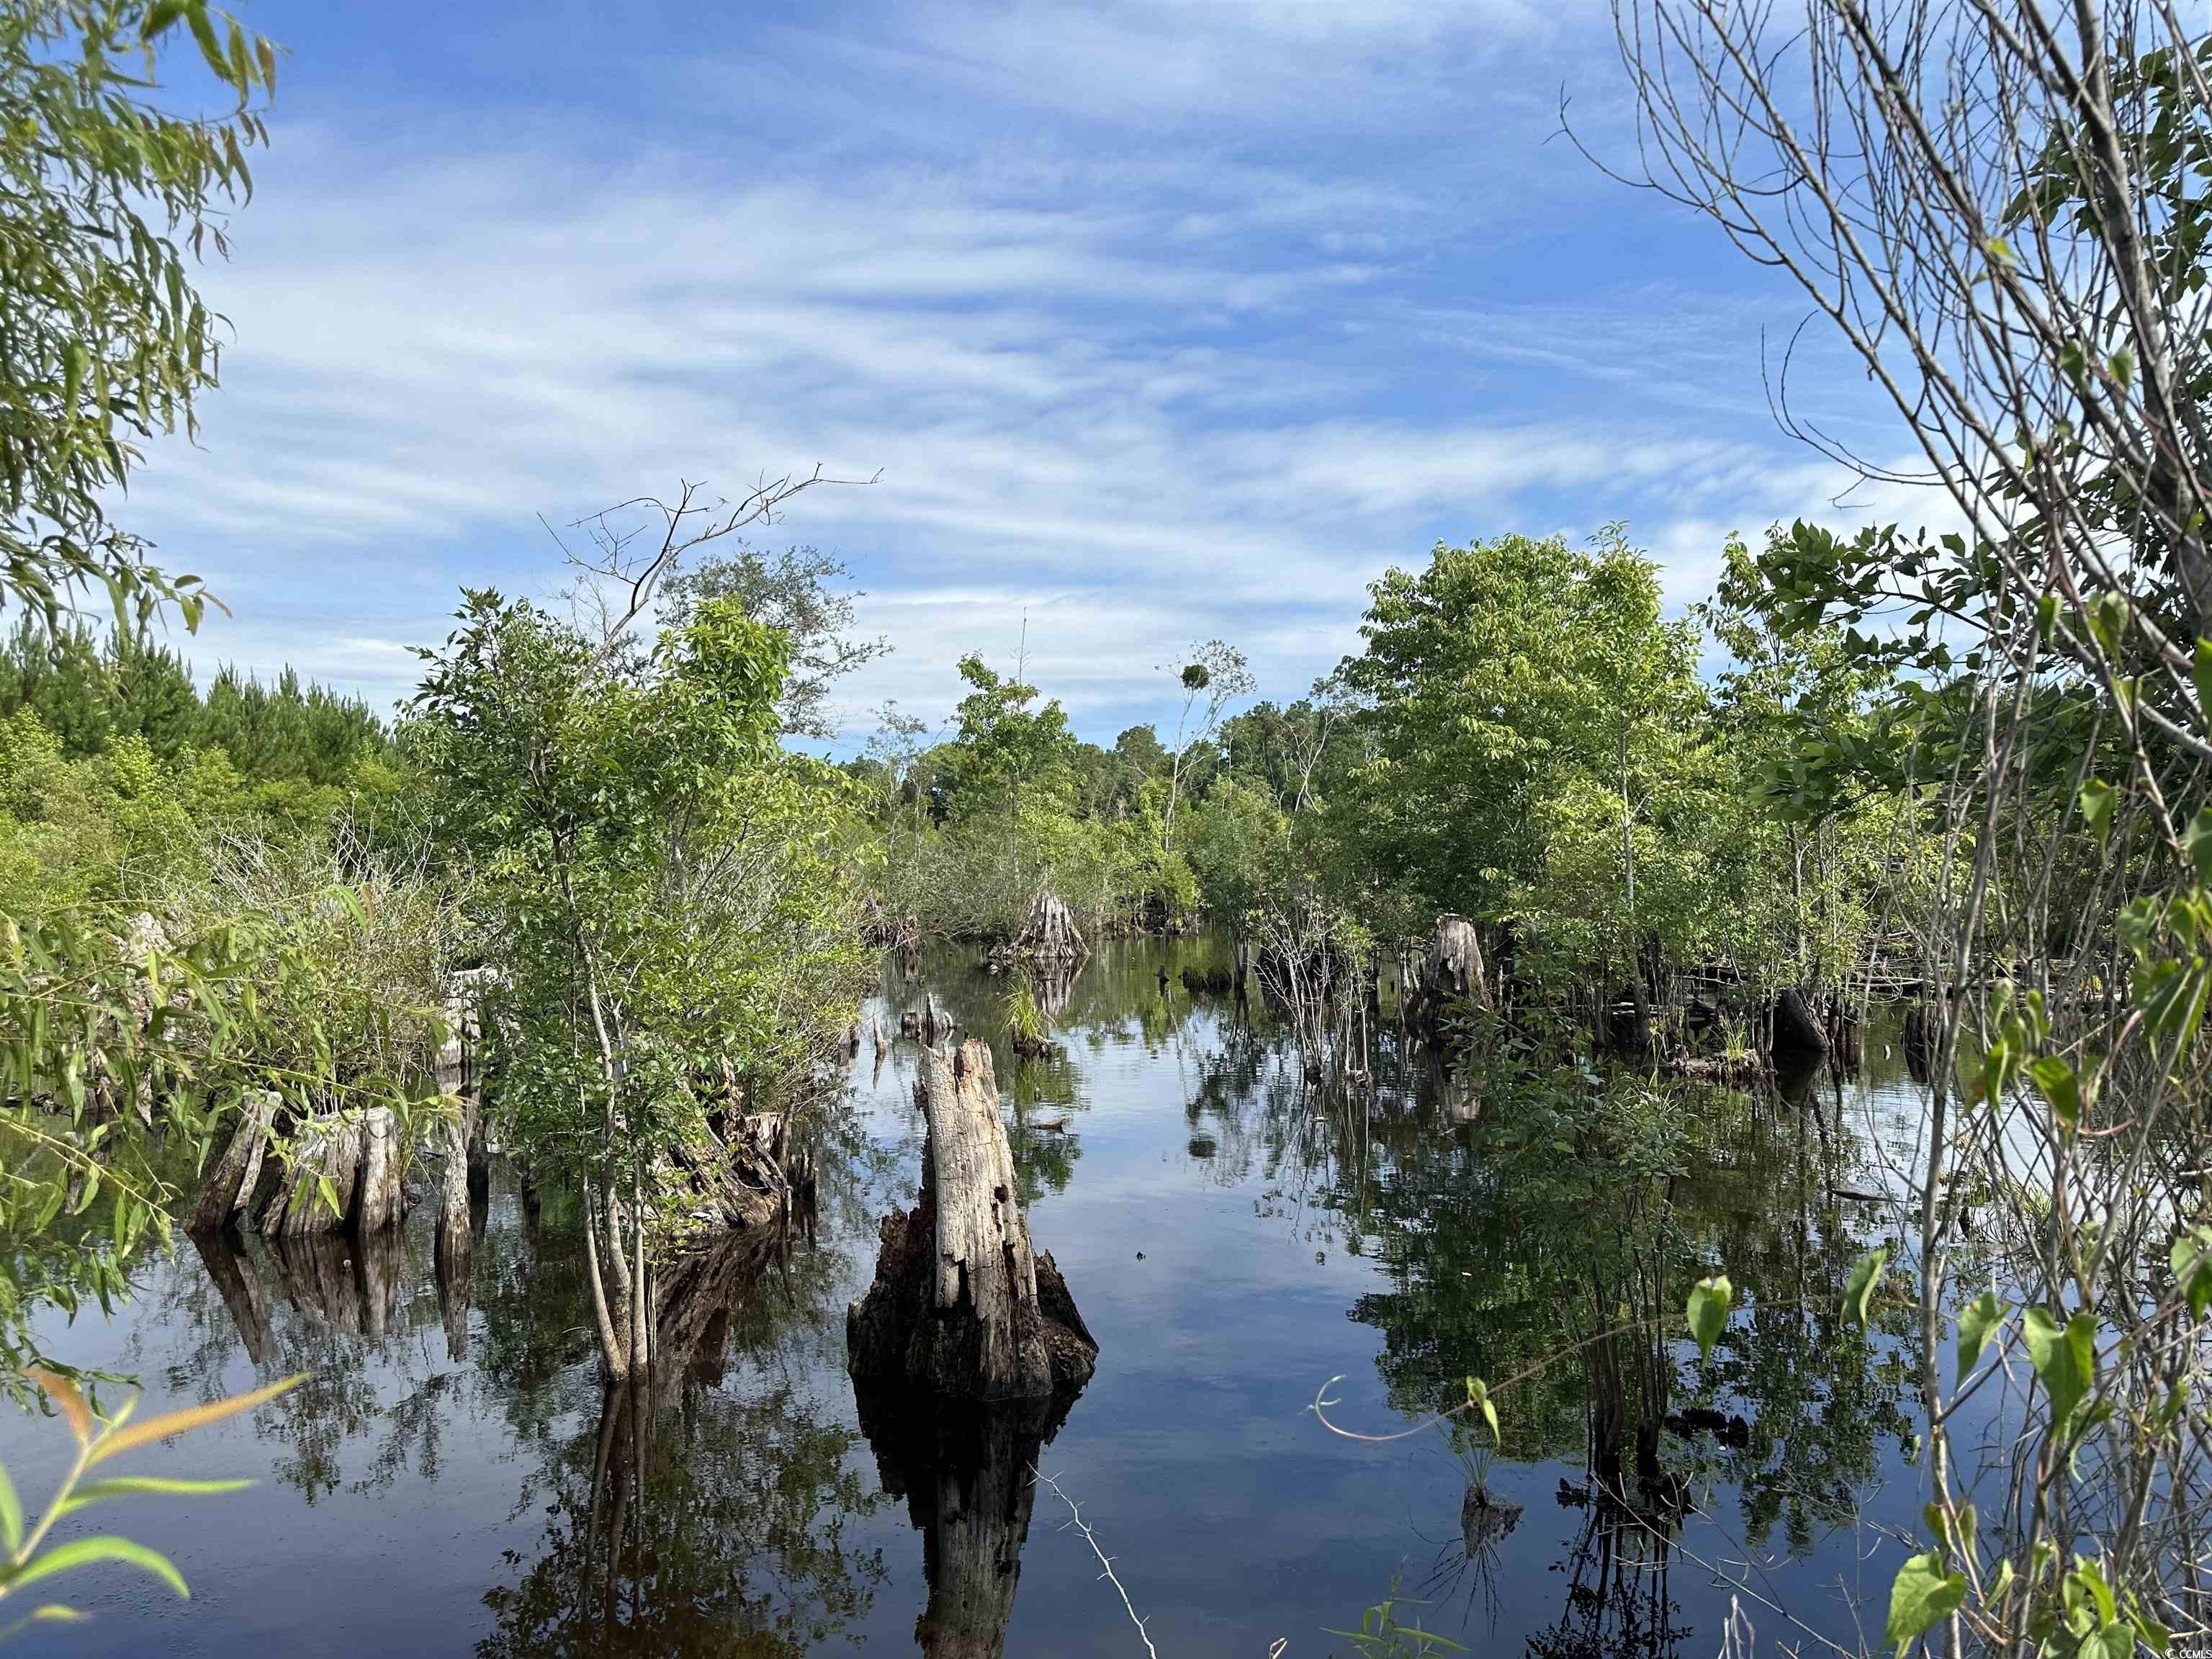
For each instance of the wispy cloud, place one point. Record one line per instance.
(1209, 376)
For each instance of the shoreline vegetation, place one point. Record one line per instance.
(582, 906)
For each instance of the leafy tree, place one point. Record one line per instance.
(1535, 725)
(658, 882)
(791, 592)
(1288, 751)
(1007, 746)
(105, 342)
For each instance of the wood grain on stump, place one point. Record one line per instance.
(962, 1305)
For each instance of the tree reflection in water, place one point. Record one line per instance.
(968, 1473)
(1547, 1236)
(1551, 1239)
(695, 1518)
(680, 1515)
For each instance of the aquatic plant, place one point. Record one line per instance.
(1381, 1635)
(30, 1560)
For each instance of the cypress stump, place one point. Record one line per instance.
(963, 1307)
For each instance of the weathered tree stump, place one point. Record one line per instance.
(1922, 1031)
(1050, 936)
(255, 1187)
(962, 1306)
(933, 1022)
(229, 1191)
(1795, 1030)
(381, 1203)
(1453, 971)
(454, 1238)
(325, 1149)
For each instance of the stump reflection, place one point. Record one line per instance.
(967, 1472)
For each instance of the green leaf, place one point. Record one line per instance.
(1980, 1321)
(127, 1485)
(2097, 797)
(2192, 1268)
(1922, 1595)
(2196, 842)
(161, 15)
(83, 1551)
(2171, 995)
(11, 1515)
(1478, 1394)
(1865, 1279)
(2201, 668)
(1709, 1312)
(192, 1417)
(2054, 1076)
(2065, 1359)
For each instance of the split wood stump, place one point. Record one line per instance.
(962, 1306)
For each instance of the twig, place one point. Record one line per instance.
(1076, 1521)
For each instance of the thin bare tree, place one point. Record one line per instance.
(2002, 209)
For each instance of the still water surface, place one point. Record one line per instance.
(450, 1480)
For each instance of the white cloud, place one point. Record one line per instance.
(1171, 387)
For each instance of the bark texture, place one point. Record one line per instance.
(230, 1186)
(454, 1236)
(255, 1187)
(1795, 1030)
(962, 1306)
(1453, 968)
(1050, 938)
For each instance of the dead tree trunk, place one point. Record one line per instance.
(1453, 972)
(228, 1190)
(454, 1238)
(328, 1149)
(962, 1306)
(1051, 937)
(255, 1186)
(1796, 1030)
(933, 1022)
(381, 1199)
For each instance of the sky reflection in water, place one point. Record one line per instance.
(453, 1482)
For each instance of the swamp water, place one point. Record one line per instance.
(452, 1482)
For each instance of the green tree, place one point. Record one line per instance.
(1535, 727)
(795, 592)
(658, 884)
(109, 197)
(1008, 746)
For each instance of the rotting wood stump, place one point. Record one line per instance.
(962, 1305)
(253, 1188)
(1795, 1030)
(1050, 938)
(1454, 971)
(933, 1022)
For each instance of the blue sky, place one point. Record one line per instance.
(1158, 321)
